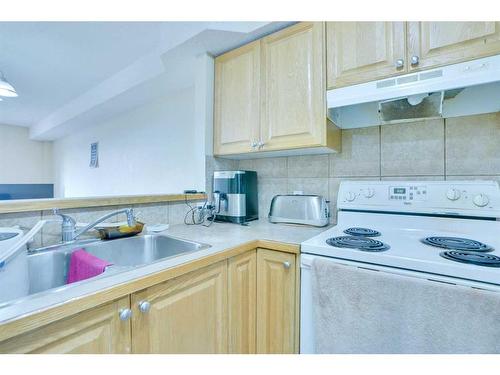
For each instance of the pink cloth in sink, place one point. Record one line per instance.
(83, 265)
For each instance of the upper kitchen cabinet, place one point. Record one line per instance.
(432, 44)
(237, 112)
(281, 107)
(293, 90)
(364, 51)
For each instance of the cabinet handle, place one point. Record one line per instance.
(253, 144)
(125, 314)
(144, 306)
(260, 144)
(400, 63)
(286, 265)
(415, 60)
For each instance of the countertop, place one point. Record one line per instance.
(224, 235)
(221, 237)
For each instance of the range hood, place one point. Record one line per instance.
(463, 89)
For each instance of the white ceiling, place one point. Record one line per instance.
(69, 72)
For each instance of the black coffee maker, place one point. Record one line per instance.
(235, 196)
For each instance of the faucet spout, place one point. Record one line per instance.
(69, 232)
(68, 227)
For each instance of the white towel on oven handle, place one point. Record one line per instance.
(363, 311)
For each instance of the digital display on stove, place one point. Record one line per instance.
(399, 190)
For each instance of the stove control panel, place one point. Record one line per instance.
(408, 193)
(456, 198)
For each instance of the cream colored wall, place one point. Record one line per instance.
(152, 149)
(23, 161)
(452, 149)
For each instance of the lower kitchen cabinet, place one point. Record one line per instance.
(242, 294)
(99, 330)
(244, 304)
(276, 302)
(186, 314)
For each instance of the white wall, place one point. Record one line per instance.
(23, 161)
(204, 101)
(149, 150)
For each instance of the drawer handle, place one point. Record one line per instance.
(286, 265)
(125, 314)
(144, 306)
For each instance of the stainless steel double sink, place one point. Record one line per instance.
(48, 267)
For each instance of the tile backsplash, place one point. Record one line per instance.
(152, 213)
(451, 149)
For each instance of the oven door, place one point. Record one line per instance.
(393, 311)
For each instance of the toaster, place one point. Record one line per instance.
(299, 209)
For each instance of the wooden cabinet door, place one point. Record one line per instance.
(444, 43)
(187, 314)
(237, 105)
(364, 51)
(276, 302)
(293, 88)
(95, 331)
(242, 294)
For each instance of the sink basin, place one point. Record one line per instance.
(136, 251)
(48, 268)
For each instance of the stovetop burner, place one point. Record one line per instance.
(365, 232)
(7, 236)
(480, 259)
(457, 243)
(358, 242)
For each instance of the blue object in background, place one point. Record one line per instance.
(26, 191)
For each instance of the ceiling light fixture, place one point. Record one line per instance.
(6, 89)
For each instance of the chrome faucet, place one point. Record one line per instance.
(68, 228)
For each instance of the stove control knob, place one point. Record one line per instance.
(481, 200)
(368, 193)
(350, 196)
(453, 194)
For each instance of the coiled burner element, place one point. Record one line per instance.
(365, 232)
(457, 243)
(480, 259)
(358, 242)
(7, 236)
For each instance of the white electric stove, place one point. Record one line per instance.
(443, 231)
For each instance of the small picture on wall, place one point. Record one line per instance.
(94, 155)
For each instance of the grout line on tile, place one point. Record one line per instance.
(380, 151)
(475, 175)
(330, 164)
(412, 175)
(444, 150)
